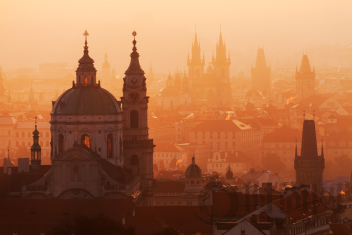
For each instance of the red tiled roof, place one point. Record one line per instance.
(167, 147)
(298, 206)
(283, 134)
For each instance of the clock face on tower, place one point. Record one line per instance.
(134, 96)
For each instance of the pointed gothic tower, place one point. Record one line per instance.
(309, 166)
(221, 63)
(305, 79)
(36, 149)
(138, 148)
(106, 78)
(31, 98)
(222, 94)
(2, 88)
(261, 75)
(195, 64)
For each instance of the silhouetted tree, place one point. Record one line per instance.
(272, 162)
(99, 225)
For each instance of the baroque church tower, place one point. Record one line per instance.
(138, 148)
(261, 75)
(309, 166)
(305, 79)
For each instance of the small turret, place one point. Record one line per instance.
(36, 150)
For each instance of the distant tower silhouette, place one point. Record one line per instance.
(305, 79)
(36, 149)
(2, 88)
(261, 75)
(195, 64)
(106, 78)
(309, 166)
(31, 98)
(221, 63)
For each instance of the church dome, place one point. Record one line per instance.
(86, 100)
(193, 170)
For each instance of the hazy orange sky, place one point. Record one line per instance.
(38, 31)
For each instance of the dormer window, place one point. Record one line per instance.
(86, 80)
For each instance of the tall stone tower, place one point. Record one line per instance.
(106, 78)
(221, 72)
(221, 63)
(138, 148)
(309, 166)
(305, 79)
(261, 75)
(195, 64)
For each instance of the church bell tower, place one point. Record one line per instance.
(138, 148)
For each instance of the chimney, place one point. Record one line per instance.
(23, 165)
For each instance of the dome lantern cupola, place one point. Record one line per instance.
(86, 72)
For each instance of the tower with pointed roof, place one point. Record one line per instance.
(195, 63)
(261, 75)
(36, 150)
(138, 148)
(305, 79)
(106, 77)
(221, 62)
(31, 98)
(309, 166)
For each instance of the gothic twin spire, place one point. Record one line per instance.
(221, 52)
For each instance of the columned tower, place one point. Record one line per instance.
(138, 148)
(35, 148)
(305, 79)
(309, 166)
(261, 75)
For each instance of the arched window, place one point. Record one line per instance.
(110, 146)
(85, 140)
(86, 80)
(134, 161)
(61, 143)
(134, 119)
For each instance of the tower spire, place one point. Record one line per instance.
(134, 67)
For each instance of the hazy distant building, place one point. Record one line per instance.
(309, 166)
(106, 77)
(305, 79)
(2, 88)
(212, 86)
(261, 75)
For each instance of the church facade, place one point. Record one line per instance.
(99, 145)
